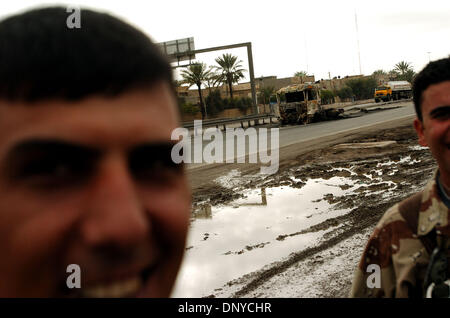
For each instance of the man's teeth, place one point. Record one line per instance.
(113, 290)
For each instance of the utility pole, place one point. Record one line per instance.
(329, 77)
(306, 51)
(357, 42)
(331, 82)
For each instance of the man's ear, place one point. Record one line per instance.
(418, 125)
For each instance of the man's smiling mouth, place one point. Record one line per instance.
(125, 287)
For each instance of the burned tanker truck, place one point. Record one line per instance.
(300, 104)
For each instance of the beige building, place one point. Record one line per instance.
(336, 83)
(243, 89)
(190, 94)
(278, 83)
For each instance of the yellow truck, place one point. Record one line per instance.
(393, 90)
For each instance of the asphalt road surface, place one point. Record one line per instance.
(294, 134)
(290, 135)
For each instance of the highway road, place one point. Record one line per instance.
(293, 134)
(289, 135)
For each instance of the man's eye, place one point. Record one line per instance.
(156, 171)
(46, 169)
(153, 165)
(441, 114)
(52, 172)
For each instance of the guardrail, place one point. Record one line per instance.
(224, 121)
(373, 103)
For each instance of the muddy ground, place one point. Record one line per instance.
(383, 175)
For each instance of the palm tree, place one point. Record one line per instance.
(213, 80)
(300, 74)
(176, 85)
(410, 75)
(393, 75)
(402, 67)
(405, 70)
(196, 74)
(265, 94)
(380, 75)
(231, 70)
(379, 72)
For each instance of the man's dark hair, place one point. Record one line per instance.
(41, 58)
(435, 72)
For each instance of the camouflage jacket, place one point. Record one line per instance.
(398, 251)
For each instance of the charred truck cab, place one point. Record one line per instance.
(299, 103)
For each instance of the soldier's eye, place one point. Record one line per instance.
(153, 164)
(53, 171)
(47, 163)
(440, 113)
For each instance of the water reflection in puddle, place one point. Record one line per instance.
(226, 242)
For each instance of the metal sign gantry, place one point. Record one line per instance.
(250, 64)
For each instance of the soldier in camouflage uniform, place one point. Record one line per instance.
(408, 250)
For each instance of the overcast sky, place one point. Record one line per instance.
(291, 35)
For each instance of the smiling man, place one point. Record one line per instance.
(86, 175)
(408, 253)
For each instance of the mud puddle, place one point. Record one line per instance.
(265, 225)
(228, 241)
(251, 237)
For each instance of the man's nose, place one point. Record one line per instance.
(114, 215)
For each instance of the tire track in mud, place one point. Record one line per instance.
(365, 205)
(360, 219)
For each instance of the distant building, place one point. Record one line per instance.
(189, 94)
(243, 89)
(278, 83)
(382, 78)
(336, 83)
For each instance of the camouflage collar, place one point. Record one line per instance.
(433, 211)
(442, 192)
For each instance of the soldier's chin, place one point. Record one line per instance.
(142, 284)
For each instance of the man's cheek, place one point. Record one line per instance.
(40, 234)
(175, 200)
(174, 212)
(35, 262)
(439, 130)
(170, 211)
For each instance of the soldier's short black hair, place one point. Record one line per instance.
(42, 58)
(435, 72)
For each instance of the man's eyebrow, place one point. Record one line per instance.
(440, 109)
(49, 146)
(155, 148)
(58, 146)
(148, 154)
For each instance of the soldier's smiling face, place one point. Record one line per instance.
(91, 183)
(434, 129)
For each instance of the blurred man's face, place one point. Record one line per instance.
(434, 130)
(91, 183)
